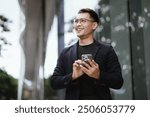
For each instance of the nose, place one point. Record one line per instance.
(77, 23)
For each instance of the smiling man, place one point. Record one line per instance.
(88, 68)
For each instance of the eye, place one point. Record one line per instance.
(76, 20)
(82, 20)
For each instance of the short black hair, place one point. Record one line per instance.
(91, 12)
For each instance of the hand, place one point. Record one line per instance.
(77, 72)
(91, 68)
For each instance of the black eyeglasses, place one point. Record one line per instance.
(82, 20)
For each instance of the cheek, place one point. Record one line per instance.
(88, 29)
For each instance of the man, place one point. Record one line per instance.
(92, 78)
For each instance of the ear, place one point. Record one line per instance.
(95, 25)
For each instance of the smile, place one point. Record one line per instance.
(79, 29)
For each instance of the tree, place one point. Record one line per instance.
(3, 28)
(8, 84)
(49, 93)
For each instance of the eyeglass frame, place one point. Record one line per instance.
(82, 20)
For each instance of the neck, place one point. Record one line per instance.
(86, 41)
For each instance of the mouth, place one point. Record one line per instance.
(79, 29)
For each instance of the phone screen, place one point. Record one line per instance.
(86, 57)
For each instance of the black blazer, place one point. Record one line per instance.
(110, 71)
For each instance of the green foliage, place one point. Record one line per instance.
(4, 28)
(49, 93)
(4, 23)
(8, 86)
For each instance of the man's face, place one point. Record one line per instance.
(84, 25)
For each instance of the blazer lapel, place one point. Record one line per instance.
(74, 52)
(96, 48)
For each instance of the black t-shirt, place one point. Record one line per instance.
(86, 49)
(87, 86)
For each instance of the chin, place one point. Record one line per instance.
(80, 36)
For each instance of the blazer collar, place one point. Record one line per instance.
(74, 52)
(96, 49)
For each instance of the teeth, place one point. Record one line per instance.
(79, 29)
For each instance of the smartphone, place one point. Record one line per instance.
(85, 57)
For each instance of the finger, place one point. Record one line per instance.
(84, 69)
(86, 64)
(90, 62)
(78, 61)
(93, 62)
(75, 64)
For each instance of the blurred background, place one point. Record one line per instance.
(33, 33)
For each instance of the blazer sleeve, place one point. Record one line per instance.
(60, 79)
(111, 76)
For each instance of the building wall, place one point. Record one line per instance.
(125, 24)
